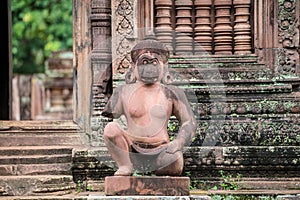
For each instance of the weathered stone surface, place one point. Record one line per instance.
(262, 192)
(36, 185)
(30, 164)
(157, 186)
(204, 163)
(101, 197)
(35, 160)
(289, 197)
(39, 133)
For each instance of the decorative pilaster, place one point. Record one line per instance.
(288, 32)
(101, 64)
(184, 30)
(203, 26)
(123, 23)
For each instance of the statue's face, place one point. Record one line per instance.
(149, 68)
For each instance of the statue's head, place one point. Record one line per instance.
(149, 62)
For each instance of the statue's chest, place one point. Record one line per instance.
(154, 105)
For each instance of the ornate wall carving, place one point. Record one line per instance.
(288, 35)
(124, 32)
(238, 132)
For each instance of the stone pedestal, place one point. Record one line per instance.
(155, 186)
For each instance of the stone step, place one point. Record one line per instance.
(198, 89)
(35, 150)
(36, 185)
(222, 67)
(214, 59)
(35, 159)
(264, 160)
(36, 169)
(38, 139)
(195, 195)
(40, 133)
(102, 197)
(147, 185)
(278, 194)
(252, 184)
(259, 192)
(53, 126)
(286, 183)
(206, 68)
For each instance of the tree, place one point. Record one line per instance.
(38, 28)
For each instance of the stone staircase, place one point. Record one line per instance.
(36, 158)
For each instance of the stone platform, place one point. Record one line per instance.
(147, 185)
(99, 197)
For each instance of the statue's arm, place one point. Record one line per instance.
(185, 115)
(114, 107)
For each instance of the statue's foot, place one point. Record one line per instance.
(124, 171)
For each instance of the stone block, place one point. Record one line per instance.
(156, 185)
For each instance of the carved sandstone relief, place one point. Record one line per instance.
(288, 34)
(123, 34)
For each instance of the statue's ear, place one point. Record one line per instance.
(129, 76)
(167, 78)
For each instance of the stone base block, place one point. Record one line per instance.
(154, 185)
(148, 198)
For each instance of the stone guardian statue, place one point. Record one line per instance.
(147, 101)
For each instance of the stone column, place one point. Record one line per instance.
(101, 66)
(164, 32)
(184, 30)
(223, 28)
(242, 27)
(203, 26)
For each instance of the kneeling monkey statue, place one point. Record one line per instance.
(147, 100)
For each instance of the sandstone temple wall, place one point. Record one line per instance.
(238, 61)
(242, 80)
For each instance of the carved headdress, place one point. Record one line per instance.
(149, 43)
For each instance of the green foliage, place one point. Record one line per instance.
(141, 173)
(172, 126)
(229, 182)
(298, 138)
(38, 28)
(82, 186)
(79, 187)
(193, 185)
(89, 188)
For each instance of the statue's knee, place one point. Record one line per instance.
(168, 159)
(178, 159)
(111, 130)
(170, 164)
